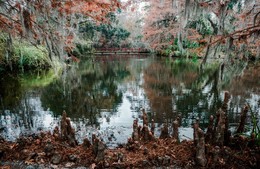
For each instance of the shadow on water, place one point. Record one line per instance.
(105, 94)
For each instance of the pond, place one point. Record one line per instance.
(104, 94)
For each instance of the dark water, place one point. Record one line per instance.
(105, 94)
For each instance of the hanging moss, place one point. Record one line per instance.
(83, 47)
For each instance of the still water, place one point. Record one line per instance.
(105, 94)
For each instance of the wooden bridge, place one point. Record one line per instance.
(121, 57)
(111, 51)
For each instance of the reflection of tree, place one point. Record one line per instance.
(177, 89)
(84, 92)
(243, 85)
(247, 80)
(10, 92)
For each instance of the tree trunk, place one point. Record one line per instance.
(49, 48)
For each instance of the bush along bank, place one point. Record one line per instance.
(22, 56)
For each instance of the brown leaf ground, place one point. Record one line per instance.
(44, 148)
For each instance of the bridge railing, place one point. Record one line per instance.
(122, 50)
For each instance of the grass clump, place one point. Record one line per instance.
(27, 56)
(40, 79)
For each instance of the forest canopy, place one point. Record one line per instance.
(187, 28)
(234, 23)
(51, 23)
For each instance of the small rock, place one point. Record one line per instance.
(39, 160)
(106, 164)
(155, 145)
(30, 167)
(92, 166)
(1, 153)
(48, 149)
(56, 159)
(145, 163)
(31, 156)
(54, 166)
(120, 157)
(69, 165)
(146, 151)
(73, 158)
(166, 160)
(25, 154)
(118, 165)
(160, 160)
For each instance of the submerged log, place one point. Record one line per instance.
(67, 132)
(242, 123)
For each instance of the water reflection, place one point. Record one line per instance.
(104, 95)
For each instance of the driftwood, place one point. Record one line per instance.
(242, 123)
(199, 141)
(175, 132)
(67, 132)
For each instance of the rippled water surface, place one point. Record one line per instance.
(105, 94)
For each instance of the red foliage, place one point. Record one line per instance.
(51, 21)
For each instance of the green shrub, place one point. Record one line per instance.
(83, 47)
(2, 48)
(28, 56)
